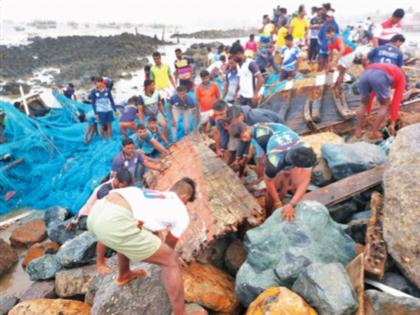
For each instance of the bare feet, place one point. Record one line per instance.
(129, 276)
(103, 270)
(358, 133)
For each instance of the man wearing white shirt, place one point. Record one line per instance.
(126, 221)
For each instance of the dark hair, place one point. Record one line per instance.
(124, 176)
(398, 13)
(330, 29)
(156, 54)
(71, 85)
(147, 83)
(141, 126)
(132, 100)
(185, 184)
(301, 8)
(222, 58)
(283, 10)
(251, 36)
(327, 6)
(219, 105)
(178, 50)
(152, 118)
(302, 157)
(265, 16)
(233, 112)
(238, 129)
(398, 38)
(181, 88)
(147, 68)
(127, 141)
(99, 79)
(204, 73)
(235, 49)
(93, 79)
(288, 37)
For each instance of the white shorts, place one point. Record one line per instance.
(347, 60)
(165, 93)
(205, 116)
(299, 42)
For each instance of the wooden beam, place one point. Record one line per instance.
(317, 103)
(347, 187)
(284, 110)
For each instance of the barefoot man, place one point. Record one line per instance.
(125, 221)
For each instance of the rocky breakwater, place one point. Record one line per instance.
(215, 34)
(77, 57)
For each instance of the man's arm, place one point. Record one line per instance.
(260, 83)
(171, 78)
(161, 107)
(151, 164)
(289, 211)
(140, 113)
(159, 147)
(171, 240)
(269, 179)
(225, 88)
(163, 137)
(111, 99)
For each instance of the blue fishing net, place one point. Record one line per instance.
(274, 85)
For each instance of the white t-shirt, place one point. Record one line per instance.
(157, 210)
(216, 65)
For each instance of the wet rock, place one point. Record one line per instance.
(235, 256)
(210, 287)
(141, 296)
(321, 174)
(78, 251)
(396, 281)
(38, 250)
(58, 233)
(378, 303)
(342, 212)
(356, 229)
(48, 306)
(278, 251)
(28, 234)
(402, 202)
(73, 282)
(7, 303)
(56, 215)
(327, 288)
(347, 159)
(280, 300)
(8, 257)
(43, 268)
(12, 88)
(39, 290)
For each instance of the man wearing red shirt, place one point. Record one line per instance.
(251, 45)
(386, 30)
(379, 79)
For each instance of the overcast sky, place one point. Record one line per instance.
(208, 13)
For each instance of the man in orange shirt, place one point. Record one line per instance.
(206, 94)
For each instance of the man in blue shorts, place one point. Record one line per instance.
(288, 167)
(103, 106)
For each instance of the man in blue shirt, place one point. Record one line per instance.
(103, 106)
(388, 53)
(323, 40)
(265, 60)
(147, 143)
(231, 88)
(69, 92)
(291, 56)
(182, 105)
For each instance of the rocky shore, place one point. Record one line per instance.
(274, 268)
(77, 57)
(215, 34)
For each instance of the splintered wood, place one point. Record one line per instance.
(375, 249)
(355, 270)
(222, 203)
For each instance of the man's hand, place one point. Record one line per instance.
(219, 153)
(288, 213)
(255, 99)
(391, 128)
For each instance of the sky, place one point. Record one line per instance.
(211, 13)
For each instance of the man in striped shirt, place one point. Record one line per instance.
(386, 30)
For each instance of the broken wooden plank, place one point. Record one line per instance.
(347, 187)
(284, 110)
(355, 270)
(317, 103)
(222, 205)
(375, 250)
(341, 104)
(308, 116)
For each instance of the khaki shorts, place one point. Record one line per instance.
(116, 227)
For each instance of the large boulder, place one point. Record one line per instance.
(142, 296)
(317, 140)
(378, 303)
(8, 257)
(28, 234)
(39, 290)
(73, 282)
(327, 288)
(347, 159)
(78, 251)
(59, 234)
(51, 307)
(43, 268)
(38, 250)
(210, 287)
(402, 202)
(280, 301)
(55, 215)
(278, 251)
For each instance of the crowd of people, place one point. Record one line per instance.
(224, 104)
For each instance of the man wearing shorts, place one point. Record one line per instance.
(379, 79)
(125, 221)
(103, 106)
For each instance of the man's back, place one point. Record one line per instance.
(387, 53)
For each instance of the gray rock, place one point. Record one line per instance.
(327, 288)
(74, 282)
(278, 251)
(44, 267)
(8, 257)
(396, 281)
(342, 212)
(58, 233)
(347, 159)
(402, 202)
(142, 296)
(7, 303)
(378, 303)
(56, 215)
(39, 290)
(78, 251)
(321, 174)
